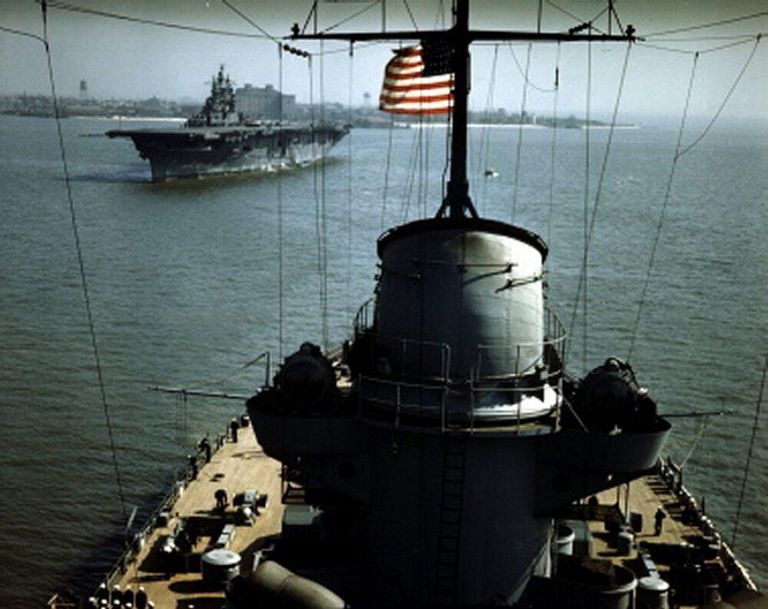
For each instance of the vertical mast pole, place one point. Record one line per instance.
(457, 198)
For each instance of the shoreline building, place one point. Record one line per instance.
(263, 103)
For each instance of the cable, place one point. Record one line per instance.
(280, 228)
(725, 101)
(485, 135)
(520, 132)
(350, 80)
(575, 18)
(410, 14)
(524, 73)
(721, 47)
(80, 262)
(323, 204)
(350, 18)
(21, 33)
(553, 145)
(387, 167)
(590, 231)
(749, 454)
(250, 21)
(585, 257)
(174, 26)
(704, 425)
(679, 153)
(707, 25)
(664, 205)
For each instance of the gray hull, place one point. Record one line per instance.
(192, 152)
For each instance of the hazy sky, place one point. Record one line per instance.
(133, 60)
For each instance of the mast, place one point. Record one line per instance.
(457, 199)
(457, 203)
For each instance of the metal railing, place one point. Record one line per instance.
(555, 335)
(417, 355)
(364, 316)
(434, 401)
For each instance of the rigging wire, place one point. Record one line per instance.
(679, 152)
(665, 203)
(350, 81)
(265, 35)
(440, 15)
(387, 167)
(164, 24)
(413, 159)
(745, 37)
(518, 156)
(410, 14)
(485, 136)
(81, 263)
(725, 100)
(280, 230)
(749, 454)
(350, 17)
(742, 40)
(425, 169)
(601, 180)
(703, 426)
(22, 33)
(524, 73)
(447, 165)
(553, 146)
(707, 25)
(250, 21)
(316, 185)
(323, 209)
(229, 377)
(585, 257)
(574, 17)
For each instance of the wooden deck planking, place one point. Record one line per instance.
(235, 467)
(646, 494)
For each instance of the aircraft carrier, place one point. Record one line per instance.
(219, 140)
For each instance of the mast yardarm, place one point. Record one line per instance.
(458, 203)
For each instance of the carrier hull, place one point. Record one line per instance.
(193, 152)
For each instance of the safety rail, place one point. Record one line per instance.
(399, 388)
(517, 393)
(555, 335)
(364, 316)
(415, 354)
(397, 397)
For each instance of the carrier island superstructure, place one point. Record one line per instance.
(221, 140)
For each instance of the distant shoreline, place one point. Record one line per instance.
(520, 126)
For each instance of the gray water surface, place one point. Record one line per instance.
(184, 288)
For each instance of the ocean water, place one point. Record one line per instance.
(184, 287)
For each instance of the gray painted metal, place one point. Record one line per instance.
(460, 303)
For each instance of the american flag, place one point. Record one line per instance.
(419, 80)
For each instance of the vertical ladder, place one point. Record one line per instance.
(451, 505)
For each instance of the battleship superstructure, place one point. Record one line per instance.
(445, 457)
(219, 140)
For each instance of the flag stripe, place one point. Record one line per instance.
(415, 96)
(413, 79)
(406, 89)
